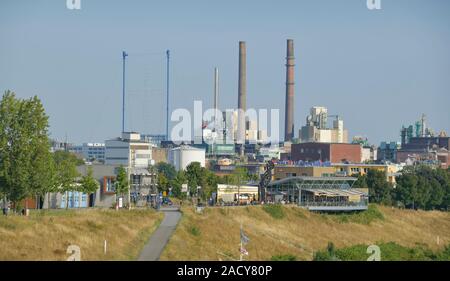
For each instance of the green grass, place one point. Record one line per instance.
(390, 251)
(276, 211)
(365, 217)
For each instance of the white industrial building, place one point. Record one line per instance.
(129, 151)
(181, 157)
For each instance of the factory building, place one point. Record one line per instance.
(434, 150)
(317, 130)
(387, 152)
(128, 151)
(180, 157)
(326, 152)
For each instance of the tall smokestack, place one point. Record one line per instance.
(242, 94)
(289, 108)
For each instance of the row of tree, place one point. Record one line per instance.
(27, 166)
(196, 176)
(418, 187)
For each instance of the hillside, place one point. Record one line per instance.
(46, 235)
(289, 230)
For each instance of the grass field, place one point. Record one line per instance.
(288, 232)
(45, 235)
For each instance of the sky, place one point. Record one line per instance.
(377, 69)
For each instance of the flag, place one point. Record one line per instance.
(244, 238)
(244, 251)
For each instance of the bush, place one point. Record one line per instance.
(287, 257)
(276, 211)
(365, 217)
(390, 251)
(194, 230)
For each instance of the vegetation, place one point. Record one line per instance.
(121, 184)
(390, 251)
(372, 214)
(300, 233)
(27, 167)
(46, 234)
(276, 211)
(419, 187)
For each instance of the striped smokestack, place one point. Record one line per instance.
(289, 108)
(242, 94)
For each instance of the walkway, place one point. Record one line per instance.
(161, 236)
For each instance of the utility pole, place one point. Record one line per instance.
(167, 95)
(124, 55)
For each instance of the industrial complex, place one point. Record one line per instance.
(315, 169)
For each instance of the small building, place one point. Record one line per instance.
(227, 193)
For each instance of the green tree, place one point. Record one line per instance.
(380, 191)
(163, 182)
(66, 173)
(25, 165)
(167, 169)
(122, 183)
(88, 183)
(194, 175)
(238, 178)
(177, 183)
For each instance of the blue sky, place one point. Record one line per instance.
(376, 69)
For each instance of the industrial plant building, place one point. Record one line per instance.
(317, 130)
(326, 152)
(180, 157)
(128, 151)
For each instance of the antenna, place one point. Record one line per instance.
(124, 55)
(167, 89)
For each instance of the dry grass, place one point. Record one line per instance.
(298, 232)
(46, 235)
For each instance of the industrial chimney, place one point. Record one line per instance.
(242, 94)
(289, 107)
(216, 96)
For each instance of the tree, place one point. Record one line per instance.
(66, 173)
(167, 169)
(194, 177)
(25, 164)
(122, 184)
(238, 177)
(379, 189)
(88, 183)
(163, 182)
(177, 183)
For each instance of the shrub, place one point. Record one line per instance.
(194, 230)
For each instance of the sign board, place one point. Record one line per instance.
(120, 202)
(184, 188)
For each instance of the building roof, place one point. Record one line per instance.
(328, 179)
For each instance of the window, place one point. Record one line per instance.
(108, 185)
